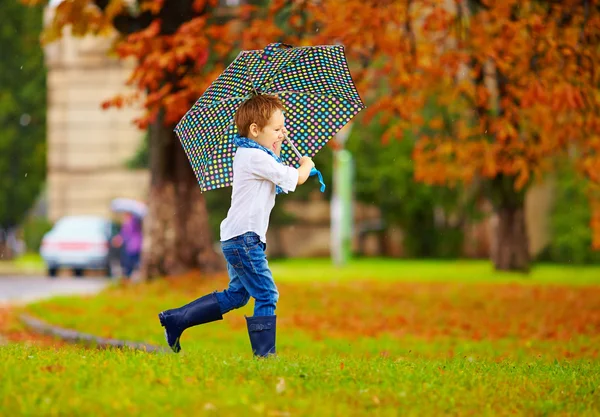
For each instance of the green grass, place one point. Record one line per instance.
(466, 271)
(29, 263)
(73, 381)
(379, 337)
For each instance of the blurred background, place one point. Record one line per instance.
(451, 265)
(478, 142)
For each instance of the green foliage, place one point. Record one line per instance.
(22, 111)
(571, 234)
(217, 204)
(27, 264)
(34, 229)
(430, 217)
(141, 159)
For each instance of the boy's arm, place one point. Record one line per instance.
(265, 167)
(306, 164)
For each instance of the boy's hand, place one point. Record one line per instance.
(307, 160)
(306, 165)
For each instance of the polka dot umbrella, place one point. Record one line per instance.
(314, 84)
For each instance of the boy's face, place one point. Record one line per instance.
(271, 136)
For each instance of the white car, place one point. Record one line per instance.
(78, 243)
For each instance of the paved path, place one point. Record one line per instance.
(19, 290)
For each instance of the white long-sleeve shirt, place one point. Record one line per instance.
(255, 174)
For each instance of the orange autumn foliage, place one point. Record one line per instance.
(517, 81)
(514, 313)
(174, 66)
(429, 310)
(13, 331)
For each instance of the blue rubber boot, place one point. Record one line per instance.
(203, 310)
(262, 334)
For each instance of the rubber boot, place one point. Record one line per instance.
(262, 334)
(203, 310)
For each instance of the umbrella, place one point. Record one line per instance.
(314, 84)
(137, 208)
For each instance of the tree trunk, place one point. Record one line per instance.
(177, 236)
(6, 252)
(511, 246)
(512, 243)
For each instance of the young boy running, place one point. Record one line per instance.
(258, 175)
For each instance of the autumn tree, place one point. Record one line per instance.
(22, 117)
(518, 81)
(180, 47)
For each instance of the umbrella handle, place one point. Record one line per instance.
(296, 151)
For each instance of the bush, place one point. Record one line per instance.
(571, 234)
(34, 229)
(385, 178)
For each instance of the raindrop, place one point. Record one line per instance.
(485, 130)
(26, 175)
(25, 119)
(21, 66)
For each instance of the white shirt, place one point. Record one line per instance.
(255, 174)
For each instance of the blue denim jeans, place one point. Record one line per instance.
(249, 276)
(129, 263)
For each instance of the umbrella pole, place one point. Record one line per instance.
(296, 151)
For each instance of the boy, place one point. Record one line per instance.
(258, 175)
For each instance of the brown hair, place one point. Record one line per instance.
(257, 109)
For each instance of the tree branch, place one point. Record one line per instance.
(411, 35)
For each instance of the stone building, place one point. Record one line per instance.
(87, 146)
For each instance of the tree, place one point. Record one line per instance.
(22, 116)
(571, 237)
(431, 218)
(518, 81)
(180, 47)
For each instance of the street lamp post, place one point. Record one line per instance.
(341, 201)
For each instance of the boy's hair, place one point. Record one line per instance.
(257, 109)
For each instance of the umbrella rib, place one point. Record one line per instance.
(304, 50)
(254, 87)
(280, 69)
(320, 95)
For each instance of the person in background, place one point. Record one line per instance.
(129, 240)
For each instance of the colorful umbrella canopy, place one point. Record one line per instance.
(314, 84)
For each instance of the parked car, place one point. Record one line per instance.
(79, 243)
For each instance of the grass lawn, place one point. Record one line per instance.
(379, 337)
(29, 263)
(465, 271)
